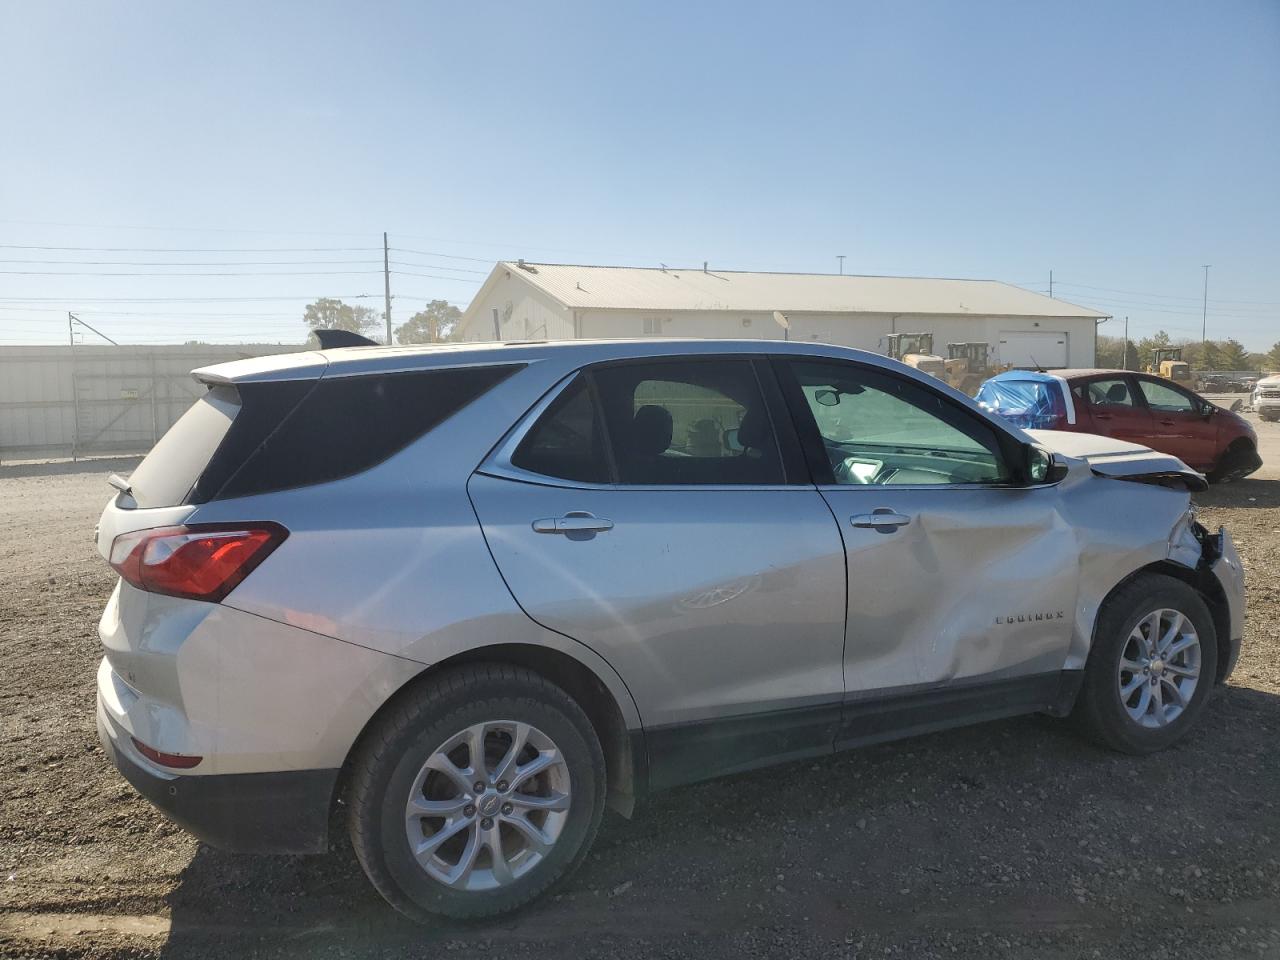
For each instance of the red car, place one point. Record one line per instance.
(1138, 407)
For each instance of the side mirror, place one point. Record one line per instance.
(731, 441)
(828, 398)
(1042, 467)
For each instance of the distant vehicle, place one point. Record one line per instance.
(1214, 383)
(1138, 407)
(1167, 362)
(916, 350)
(464, 597)
(1266, 398)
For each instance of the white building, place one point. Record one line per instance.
(554, 301)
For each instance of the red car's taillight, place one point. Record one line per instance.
(199, 562)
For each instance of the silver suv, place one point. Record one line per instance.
(466, 597)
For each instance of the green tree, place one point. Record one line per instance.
(1273, 356)
(1211, 357)
(430, 325)
(1232, 355)
(329, 314)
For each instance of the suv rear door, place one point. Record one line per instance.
(659, 512)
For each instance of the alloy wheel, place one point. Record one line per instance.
(488, 805)
(1159, 668)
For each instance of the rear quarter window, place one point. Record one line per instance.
(237, 441)
(175, 463)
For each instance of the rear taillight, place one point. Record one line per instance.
(200, 562)
(179, 761)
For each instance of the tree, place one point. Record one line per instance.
(431, 325)
(1232, 355)
(1273, 356)
(329, 314)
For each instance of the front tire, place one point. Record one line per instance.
(476, 793)
(1152, 666)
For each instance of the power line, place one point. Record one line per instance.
(446, 256)
(199, 263)
(269, 273)
(1168, 296)
(305, 297)
(21, 246)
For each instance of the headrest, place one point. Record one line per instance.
(1117, 393)
(753, 431)
(650, 431)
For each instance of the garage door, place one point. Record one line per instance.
(1033, 348)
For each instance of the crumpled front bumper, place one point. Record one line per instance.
(1226, 568)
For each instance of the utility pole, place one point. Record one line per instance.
(1124, 352)
(386, 281)
(1050, 283)
(75, 395)
(1204, 314)
(840, 257)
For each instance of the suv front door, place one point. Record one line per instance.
(962, 583)
(651, 511)
(1179, 423)
(1115, 410)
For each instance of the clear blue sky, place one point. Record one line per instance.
(1123, 145)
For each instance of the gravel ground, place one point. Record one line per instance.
(1008, 839)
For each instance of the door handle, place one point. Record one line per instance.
(882, 521)
(1165, 423)
(1102, 416)
(573, 522)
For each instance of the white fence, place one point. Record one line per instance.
(94, 400)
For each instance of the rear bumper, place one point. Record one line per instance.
(285, 812)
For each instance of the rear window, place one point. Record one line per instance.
(175, 463)
(264, 437)
(1029, 404)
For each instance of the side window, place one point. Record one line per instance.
(567, 441)
(1110, 393)
(688, 422)
(880, 429)
(1166, 399)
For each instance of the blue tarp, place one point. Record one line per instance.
(1034, 402)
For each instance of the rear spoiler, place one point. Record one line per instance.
(329, 339)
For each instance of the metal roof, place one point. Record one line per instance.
(653, 288)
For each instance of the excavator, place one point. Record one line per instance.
(1168, 363)
(965, 366)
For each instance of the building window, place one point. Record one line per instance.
(653, 325)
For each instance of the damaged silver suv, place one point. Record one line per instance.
(462, 598)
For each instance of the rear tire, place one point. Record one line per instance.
(1152, 667)
(436, 846)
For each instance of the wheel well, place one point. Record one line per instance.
(622, 770)
(1205, 584)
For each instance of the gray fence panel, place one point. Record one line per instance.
(96, 400)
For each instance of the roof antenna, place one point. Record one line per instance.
(1036, 364)
(662, 266)
(704, 266)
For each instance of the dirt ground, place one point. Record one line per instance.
(1009, 839)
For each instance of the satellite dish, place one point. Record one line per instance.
(781, 320)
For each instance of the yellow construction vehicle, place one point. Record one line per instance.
(1167, 362)
(916, 350)
(969, 364)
